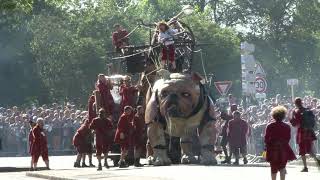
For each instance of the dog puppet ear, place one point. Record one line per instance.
(196, 77)
(152, 108)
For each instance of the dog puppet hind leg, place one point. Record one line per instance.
(207, 140)
(157, 140)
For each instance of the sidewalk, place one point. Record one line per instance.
(174, 172)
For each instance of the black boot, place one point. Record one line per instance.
(106, 165)
(99, 167)
(236, 163)
(245, 160)
(318, 162)
(84, 165)
(137, 163)
(76, 164)
(305, 169)
(91, 165)
(227, 160)
(123, 164)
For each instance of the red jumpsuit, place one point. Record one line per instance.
(279, 152)
(119, 38)
(30, 141)
(138, 138)
(304, 137)
(39, 145)
(107, 101)
(91, 109)
(237, 135)
(168, 53)
(81, 140)
(125, 127)
(103, 129)
(128, 94)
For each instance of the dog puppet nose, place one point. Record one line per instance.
(173, 98)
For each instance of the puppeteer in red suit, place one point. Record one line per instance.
(39, 145)
(123, 134)
(139, 135)
(91, 109)
(305, 135)
(119, 38)
(238, 130)
(103, 129)
(277, 137)
(82, 143)
(128, 94)
(104, 86)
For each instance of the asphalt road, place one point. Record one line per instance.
(62, 167)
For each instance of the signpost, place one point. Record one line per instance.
(223, 87)
(261, 85)
(248, 66)
(292, 83)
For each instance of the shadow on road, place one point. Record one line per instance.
(17, 169)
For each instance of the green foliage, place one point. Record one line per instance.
(52, 50)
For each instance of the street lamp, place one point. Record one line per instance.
(187, 9)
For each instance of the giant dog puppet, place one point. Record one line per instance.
(179, 106)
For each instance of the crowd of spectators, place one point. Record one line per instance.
(61, 122)
(258, 115)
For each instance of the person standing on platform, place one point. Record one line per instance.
(104, 87)
(128, 94)
(91, 108)
(119, 38)
(166, 37)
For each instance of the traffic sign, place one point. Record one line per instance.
(261, 85)
(223, 87)
(292, 82)
(259, 70)
(261, 95)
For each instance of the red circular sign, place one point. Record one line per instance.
(261, 85)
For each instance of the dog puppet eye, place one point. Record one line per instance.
(185, 94)
(164, 94)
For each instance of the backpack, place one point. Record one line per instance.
(308, 119)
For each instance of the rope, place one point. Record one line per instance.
(122, 57)
(204, 69)
(131, 32)
(202, 63)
